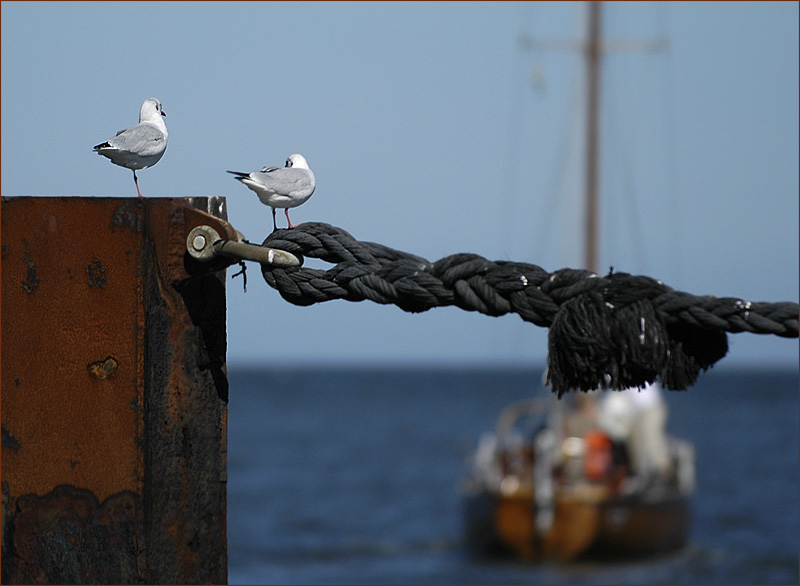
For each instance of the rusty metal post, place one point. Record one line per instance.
(114, 393)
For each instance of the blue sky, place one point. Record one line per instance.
(432, 129)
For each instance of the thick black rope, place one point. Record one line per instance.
(616, 331)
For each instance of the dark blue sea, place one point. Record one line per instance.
(351, 475)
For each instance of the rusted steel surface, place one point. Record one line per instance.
(114, 393)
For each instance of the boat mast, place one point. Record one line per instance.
(593, 49)
(593, 52)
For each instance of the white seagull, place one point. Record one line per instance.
(140, 146)
(281, 187)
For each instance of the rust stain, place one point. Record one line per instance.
(31, 282)
(68, 537)
(96, 274)
(103, 368)
(128, 214)
(9, 441)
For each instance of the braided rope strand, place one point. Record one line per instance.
(614, 331)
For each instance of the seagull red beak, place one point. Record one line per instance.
(163, 113)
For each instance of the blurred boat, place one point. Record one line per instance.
(537, 492)
(583, 475)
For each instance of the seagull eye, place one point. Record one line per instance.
(288, 162)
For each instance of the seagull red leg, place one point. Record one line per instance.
(136, 181)
(288, 220)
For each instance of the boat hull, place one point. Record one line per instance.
(638, 527)
(585, 523)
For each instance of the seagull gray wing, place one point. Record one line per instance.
(145, 140)
(285, 180)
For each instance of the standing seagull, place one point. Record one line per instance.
(281, 187)
(140, 146)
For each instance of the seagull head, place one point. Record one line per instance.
(151, 110)
(298, 161)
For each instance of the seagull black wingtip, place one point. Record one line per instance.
(239, 174)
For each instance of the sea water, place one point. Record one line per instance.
(351, 475)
